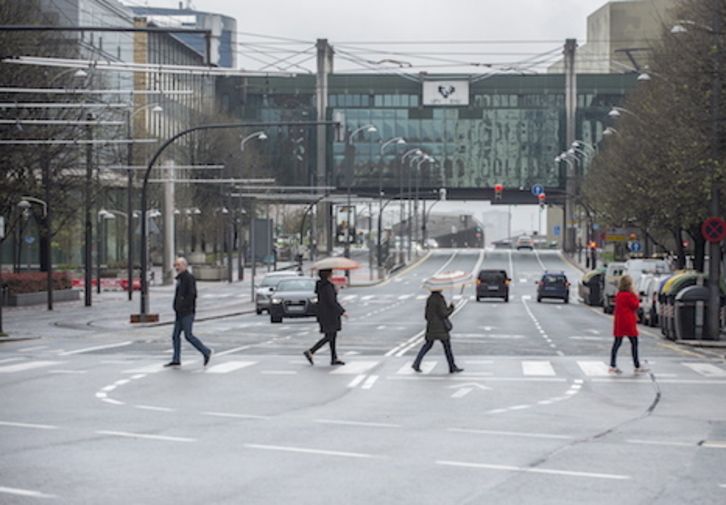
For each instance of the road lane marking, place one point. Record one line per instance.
(368, 384)
(235, 416)
(706, 369)
(25, 492)
(29, 425)
(145, 437)
(512, 433)
(30, 365)
(231, 351)
(357, 381)
(537, 368)
(354, 367)
(426, 368)
(594, 368)
(157, 409)
(362, 424)
(96, 348)
(229, 366)
(505, 468)
(660, 442)
(319, 452)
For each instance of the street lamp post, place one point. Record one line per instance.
(349, 179)
(25, 204)
(379, 250)
(261, 135)
(415, 153)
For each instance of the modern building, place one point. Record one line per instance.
(620, 35)
(224, 30)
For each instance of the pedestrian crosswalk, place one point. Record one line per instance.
(665, 370)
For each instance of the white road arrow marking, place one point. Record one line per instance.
(466, 388)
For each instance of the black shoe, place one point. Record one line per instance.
(208, 356)
(456, 369)
(172, 363)
(309, 356)
(337, 362)
(416, 369)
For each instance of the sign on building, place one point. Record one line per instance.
(442, 93)
(345, 224)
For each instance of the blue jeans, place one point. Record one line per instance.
(184, 324)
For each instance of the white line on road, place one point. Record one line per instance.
(506, 468)
(369, 383)
(537, 368)
(30, 365)
(231, 351)
(25, 492)
(357, 381)
(27, 425)
(511, 433)
(462, 392)
(235, 416)
(229, 366)
(312, 451)
(145, 437)
(157, 409)
(706, 369)
(660, 442)
(96, 348)
(357, 423)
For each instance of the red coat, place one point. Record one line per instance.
(625, 323)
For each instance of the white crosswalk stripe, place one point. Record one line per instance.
(594, 368)
(29, 365)
(355, 367)
(706, 369)
(541, 368)
(229, 366)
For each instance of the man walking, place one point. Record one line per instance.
(185, 303)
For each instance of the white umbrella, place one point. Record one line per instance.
(448, 280)
(335, 263)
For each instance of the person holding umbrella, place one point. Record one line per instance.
(437, 315)
(329, 313)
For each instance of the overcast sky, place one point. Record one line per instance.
(549, 22)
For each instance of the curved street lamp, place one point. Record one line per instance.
(260, 135)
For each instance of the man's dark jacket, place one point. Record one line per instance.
(185, 297)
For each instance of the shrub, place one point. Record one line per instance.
(34, 282)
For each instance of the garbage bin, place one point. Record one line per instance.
(691, 304)
(667, 301)
(591, 287)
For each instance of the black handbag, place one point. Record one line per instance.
(447, 323)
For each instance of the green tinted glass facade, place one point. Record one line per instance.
(509, 132)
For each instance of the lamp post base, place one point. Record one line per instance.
(144, 318)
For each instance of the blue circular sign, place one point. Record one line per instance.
(635, 246)
(537, 189)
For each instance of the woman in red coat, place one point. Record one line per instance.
(625, 323)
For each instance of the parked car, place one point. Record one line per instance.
(293, 297)
(648, 288)
(267, 286)
(553, 285)
(525, 242)
(492, 284)
(613, 273)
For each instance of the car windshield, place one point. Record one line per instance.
(554, 279)
(271, 281)
(296, 285)
(491, 277)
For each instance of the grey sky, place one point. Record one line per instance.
(548, 22)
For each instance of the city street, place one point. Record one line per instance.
(90, 415)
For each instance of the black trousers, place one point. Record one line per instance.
(427, 347)
(329, 339)
(633, 346)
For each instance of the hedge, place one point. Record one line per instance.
(35, 282)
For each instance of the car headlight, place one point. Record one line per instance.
(314, 299)
(276, 301)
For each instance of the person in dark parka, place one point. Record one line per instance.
(329, 313)
(185, 304)
(436, 312)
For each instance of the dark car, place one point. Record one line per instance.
(553, 285)
(294, 297)
(492, 284)
(264, 290)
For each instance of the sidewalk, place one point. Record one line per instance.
(111, 310)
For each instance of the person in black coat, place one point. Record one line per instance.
(329, 312)
(185, 304)
(436, 312)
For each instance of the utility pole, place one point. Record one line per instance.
(571, 122)
(87, 251)
(324, 67)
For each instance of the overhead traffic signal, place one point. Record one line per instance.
(498, 191)
(542, 200)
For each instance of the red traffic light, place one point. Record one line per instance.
(542, 197)
(498, 188)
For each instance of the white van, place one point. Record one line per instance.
(614, 272)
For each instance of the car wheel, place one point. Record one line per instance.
(506, 299)
(275, 319)
(258, 311)
(539, 299)
(478, 299)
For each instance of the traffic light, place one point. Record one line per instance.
(442, 194)
(542, 200)
(498, 191)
